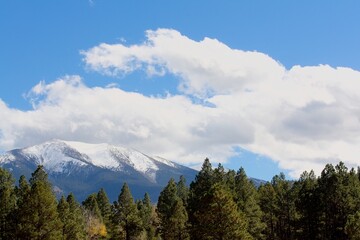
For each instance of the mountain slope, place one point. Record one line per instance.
(84, 168)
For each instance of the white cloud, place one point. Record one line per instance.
(172, 127)
(301, 117)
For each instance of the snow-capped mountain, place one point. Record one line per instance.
(83, 168)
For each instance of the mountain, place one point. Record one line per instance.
(84, 168)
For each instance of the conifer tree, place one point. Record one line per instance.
(247, 201)
(75, 225)
(219, 217)
(308, 206)
(64, 212)
(352, 227)
(148, 217)
(39, 216)
(172, 213)
(104, 206)
(182, 190)
(267, 198)
(126, 217)
(199, 189)
(94, 223)
(7, 204)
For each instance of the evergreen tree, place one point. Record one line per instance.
(7, 204)
(284, 207)
(219, 217)
(352, 227)
(199, 189)
(104, 206)
(126, 216)
(339, 196)
(267, 198)
(91, 204)
(182, 190)
(308, 206)
(22, 212)
(94, 222)
(148, 217)
(247, 201)
(75, 225)
(172, 213)
(39, 217)
(64, 212)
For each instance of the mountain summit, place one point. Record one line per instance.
(84, 168)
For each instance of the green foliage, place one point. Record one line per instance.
(183, 190)
(126, 219)
(148, 216)
(219, 205)
(38, 216)
(219, 217)
(247, 200)
(7, 204)
(104, 206)
(172, 213)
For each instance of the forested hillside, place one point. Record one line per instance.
(218, 204)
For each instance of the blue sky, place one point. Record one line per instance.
(52, 42)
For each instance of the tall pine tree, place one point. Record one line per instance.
(39, 217)
(126, 217)
(7, 204)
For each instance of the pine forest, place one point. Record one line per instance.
(218, 205)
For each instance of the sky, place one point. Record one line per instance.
(273, 86)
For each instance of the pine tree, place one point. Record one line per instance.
(199, 189)
(22, 212)
(340, 197)
(7, 204)
(172, 213)
(247, 201)
(267, 198)
(182, 190)
(308, 206)
(64, 212)
(104, 206)
(148, 217)
(39, 217)
(219, 217)
(126, 216)
(94, 223)
(75, 226)
(352, 227)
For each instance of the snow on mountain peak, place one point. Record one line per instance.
(56, 155)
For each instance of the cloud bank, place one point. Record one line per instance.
(302, 117)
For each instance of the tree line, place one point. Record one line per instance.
(218, 205)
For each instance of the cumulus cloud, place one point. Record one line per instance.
(301, 117)
(172, 126)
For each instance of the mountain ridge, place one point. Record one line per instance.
(83, 168)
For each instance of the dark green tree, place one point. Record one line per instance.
(172, 213)
(352, 227)
(104, 206)
(339, 198)
(39, 217)
(308, 206)
(247, 201)
(199, 190)
(126, 216)
(182, 190)
(148, 216)
(75, 224)
(7, 204)
(219, 217)
(267, 199)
